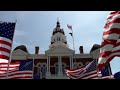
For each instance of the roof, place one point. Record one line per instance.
(95, 47)
(22, 47)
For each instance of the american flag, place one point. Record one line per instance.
(6, 37)
(108, 77)
(69, 26)
(110, 46)
(74, 73)
(106, 71)
(17, 70)
(86, 72)
(71, 34)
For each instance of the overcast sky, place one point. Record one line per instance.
(34, 28)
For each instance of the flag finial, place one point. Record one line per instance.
(57, 19)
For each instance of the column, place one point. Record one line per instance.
(59, 66)
(72, 62)
(48, 66)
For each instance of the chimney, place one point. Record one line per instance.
(36, 50)
(81, 49)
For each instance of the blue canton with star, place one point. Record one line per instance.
(7, 30)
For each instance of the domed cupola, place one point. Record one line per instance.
(57, 29)
(58, 37)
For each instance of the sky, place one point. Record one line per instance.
(34, 28)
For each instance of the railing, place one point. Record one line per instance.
(56, 76)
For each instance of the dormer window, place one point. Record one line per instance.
(59, 38)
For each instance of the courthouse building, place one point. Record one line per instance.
(59, 56)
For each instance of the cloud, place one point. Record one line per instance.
(8, 16)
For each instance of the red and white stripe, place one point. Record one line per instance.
(14, 72)
(90, 75)
(5, 48)
(74, 73)
(110, 46)
(80, 74)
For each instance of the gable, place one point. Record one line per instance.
(59, 50)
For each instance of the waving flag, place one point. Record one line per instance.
(6, 37)
(17, 70)
(86, 72)
(4, 66)
(69, 26)
(90, 71)
(74, 73)
(71, 34)
(110, 46)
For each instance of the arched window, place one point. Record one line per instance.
(75, 65)
(59, 38)
(80, 64)
(43, 70)
(39, 70)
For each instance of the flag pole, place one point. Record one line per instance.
(70, 27)
(73, 46)
(98, 74)
(33, 67)
(10, 53)
(73, 41)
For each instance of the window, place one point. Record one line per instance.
(80, 64)
(39, 71)
(75, 65)
(63, 68)
(59, 38)
(56, 69)
(43, 70)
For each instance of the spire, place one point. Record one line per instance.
(58, 23)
